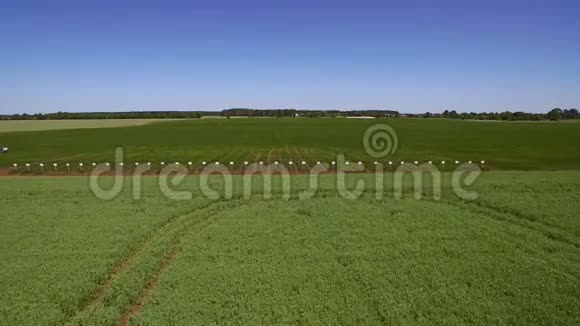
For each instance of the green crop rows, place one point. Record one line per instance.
(503, 145)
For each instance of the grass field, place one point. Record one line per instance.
(41, 125)
(510, 257)
(504, 146)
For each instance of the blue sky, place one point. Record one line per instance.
(413, 56)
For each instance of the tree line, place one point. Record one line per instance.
(554, 114)
(292, 113)
(236, 112)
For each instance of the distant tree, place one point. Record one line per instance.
(555, 114)
(570, 114)
(519, 116)
(506, 115)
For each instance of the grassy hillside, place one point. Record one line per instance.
(538, 146)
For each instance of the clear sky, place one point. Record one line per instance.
(413, 56)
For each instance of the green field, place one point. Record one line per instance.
(39, 125)
(504, 146)
(510, 257)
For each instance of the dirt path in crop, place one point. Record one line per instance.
(147, 293)
(126, 264)
(4, 172)
(165, 263)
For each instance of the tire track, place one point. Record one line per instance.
(287, 149)
(153, 282)
(257, 158)
(268, 160)
(515, 214)
(307, 154)
(538, 228)
(96, 299)
(293, 167)
(151, 286)
(553, 233)
(300, 158)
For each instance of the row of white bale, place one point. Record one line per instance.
(68, 165)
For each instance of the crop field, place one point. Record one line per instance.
(289, 163)
(503, 145)
(510, 257)
(39, 125)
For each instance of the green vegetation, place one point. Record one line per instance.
(504, 146)
(554, 114)
(279, 113)
(58, 243)
(292, 113)
(510, 257)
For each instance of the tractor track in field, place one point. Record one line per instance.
(288, 152)
(551, 232)
(257, 157)
(122, 266)
(307, 154)
(165, 263)
(515, 214)
(268, 160)
(300, 158)
(147, 293)
(541, 229)
(294, 167)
